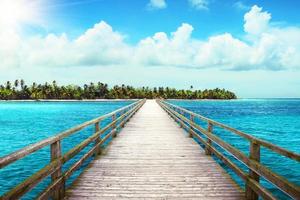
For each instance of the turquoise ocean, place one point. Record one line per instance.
(24, 123)
(274, 120)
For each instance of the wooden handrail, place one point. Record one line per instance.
(264, 143)
(256, 169)
(6, 160)
(56, 188)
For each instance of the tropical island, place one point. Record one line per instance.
(18, 90)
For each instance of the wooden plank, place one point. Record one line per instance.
(113, 118)
(275, 148)
(254, 155)
(56, 188)
(6, 160)
(209, 142)
(58, 192)
(27, 185)
(46, 194)
(288, 187)
(97, 129)
(153, 158)
(191, 128)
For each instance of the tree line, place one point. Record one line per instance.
(18, 90)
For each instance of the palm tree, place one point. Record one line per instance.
(16, 84)
(101, 90)
(22, 83)
(8, 85)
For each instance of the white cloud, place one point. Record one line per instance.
(160, 49)
(157, 4)
(265, 47)
(256, 21)
(99, 45)
(240, 6)
(10, 43)
(199, 4)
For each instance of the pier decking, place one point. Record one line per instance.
(152, 157)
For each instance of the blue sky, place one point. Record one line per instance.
(250, 47)
(135, 19)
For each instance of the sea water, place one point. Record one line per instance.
(273, 120)
(25, 123)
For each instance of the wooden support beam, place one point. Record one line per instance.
(190, 129)
(97, 141)
(59, 189)
(207, 148)
(254, 155)
(113, 118)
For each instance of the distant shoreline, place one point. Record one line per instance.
(67, 100)
(116, 100)
(101, 100)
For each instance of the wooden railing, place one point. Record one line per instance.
(253, 189)
(56, 189)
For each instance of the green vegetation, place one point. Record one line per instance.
(20, 91)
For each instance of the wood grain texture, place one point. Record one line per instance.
(275, 148)
(288, 187)
(152, 158)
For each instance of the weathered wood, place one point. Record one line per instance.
(286, 186)
(97, 128)
(113, 118)
(48, 191)
(207, 147)
(254, 155)
(6, 160)
(181, 124)
(162, 165)
(74, 151)
(27, 185)
(190, 127)
(56, 188)
(275, 148)
(52, 187)
(151, 158)
(58, 192)
(123, 117)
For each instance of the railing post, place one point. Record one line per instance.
(129, 115)
(115, 125)
(254, 155)
(97, 141)
(123, 120)
(59, 190)
(190, 130)
(180, 122)
(207, 148)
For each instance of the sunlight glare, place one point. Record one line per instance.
(15, 12)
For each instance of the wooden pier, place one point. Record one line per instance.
(154, 158)
(152, 155)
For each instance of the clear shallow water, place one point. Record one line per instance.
(277, 121)
(274, 120)
(24, 123)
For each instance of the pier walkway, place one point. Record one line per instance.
(148, 150)
(153, 158)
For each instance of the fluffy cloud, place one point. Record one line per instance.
(264, 47)
(176, 50)
(10, 44)
(99, 45)
(199, 4)
(157, 4)
(256, 21)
